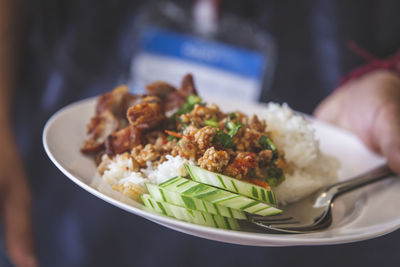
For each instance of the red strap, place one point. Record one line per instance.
(373, 63)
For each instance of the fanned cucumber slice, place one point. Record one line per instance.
(162, 194)
(214, 195)
(188, 215)
(231, 184)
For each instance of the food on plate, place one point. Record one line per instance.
(193, 216)
(195, 190)
(307, 168)
(173, 197)
(189, 154)
(234, 185)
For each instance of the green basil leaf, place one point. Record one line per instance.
(171, 137)
(187, 107)
(212, 122)
(266, 143)
(275, 181)
(224, 139)
(234, 130)
(232, 126)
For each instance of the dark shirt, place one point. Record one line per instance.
(78, 48)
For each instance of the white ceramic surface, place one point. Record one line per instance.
(366, 213)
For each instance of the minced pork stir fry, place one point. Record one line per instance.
(171, 121)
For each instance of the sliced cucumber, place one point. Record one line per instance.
(162, 194)
(231, 184)
(188, 215)
(214, 195)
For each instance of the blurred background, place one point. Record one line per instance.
(252, 50)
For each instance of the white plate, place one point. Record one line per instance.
(362, 214)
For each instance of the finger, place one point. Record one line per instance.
(386, 134)
(326, 110)
(329, 109)
(17, 222)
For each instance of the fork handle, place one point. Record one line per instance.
(371, 176)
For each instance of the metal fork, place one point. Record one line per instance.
(314, 212)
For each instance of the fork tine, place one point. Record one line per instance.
(266, 219)
(284, 224)
(269, 219)
(275, 216)
(277, 223)
(289, 226)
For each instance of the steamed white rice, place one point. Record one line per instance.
(307, 168)
(119, 171)
(172, 167)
